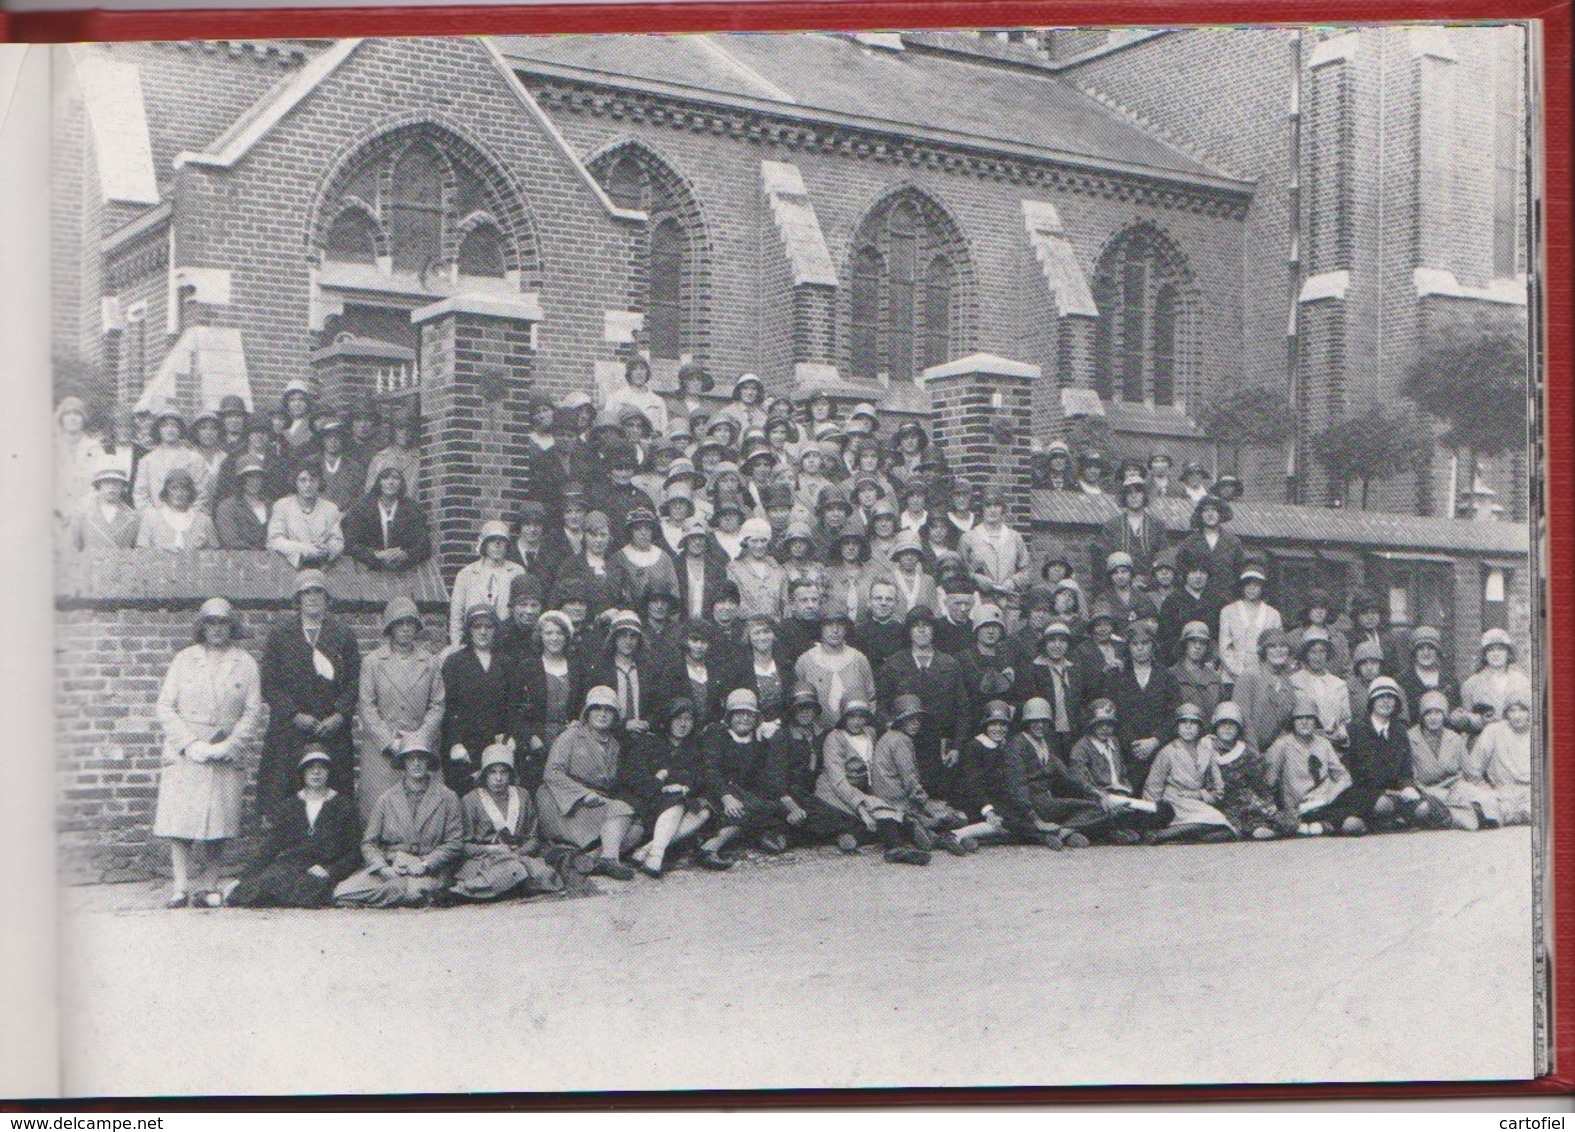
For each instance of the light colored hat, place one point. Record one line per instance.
(1134, 478)
(1057, 629)
(1195, 631)
(741, 699)
(1433, 700)
(625, 620)
(986, 614)
(856, 707)
(745, 379)
(1426, 635)
(1304, 707)
(1058, 448)
(798, 529)
(1118, 558)
(481, 611)
(401, 608)
(1367, 650)
(414, 745)
(559, 618)
(907, 543)
(495, 754)
(310, 579)
(1037, 708)
(1498, 637)
(675, 492)
(1228, 710)
(109, 471)
(1315, 635)
(599, 696)
(1384, 686)
(313, 753)
(1190, 711)
(219, 609)
(755, 528)
(864, 409)
(492, 528)
(297, 385)
(1252, 574)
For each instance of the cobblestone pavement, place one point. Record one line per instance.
(1402, 957)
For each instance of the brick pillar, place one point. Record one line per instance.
(981, 415)
(476, 360)
(358, 369)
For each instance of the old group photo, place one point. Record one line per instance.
(992, 556)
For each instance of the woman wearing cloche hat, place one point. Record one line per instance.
(401, 694)
(503, 847)
(208, 709)
(313, 844)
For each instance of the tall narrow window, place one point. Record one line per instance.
(664, 320)
(625, 183)
(904, 292)
(415, 208)
(864, 317)
(1140, 289)
(937, 312)
(1507, 128)
(1163, 353)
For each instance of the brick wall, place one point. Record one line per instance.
(110, 661)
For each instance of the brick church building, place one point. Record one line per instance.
(1010, 234)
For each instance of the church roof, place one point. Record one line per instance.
(854, 81)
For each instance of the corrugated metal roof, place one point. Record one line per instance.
(816, 74)
(247, 577)
(1284, 523)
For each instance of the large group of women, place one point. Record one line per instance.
(721, 627)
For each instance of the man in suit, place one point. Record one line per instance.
(934, 676)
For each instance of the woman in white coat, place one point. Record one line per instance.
(401, 695)
(209, 708)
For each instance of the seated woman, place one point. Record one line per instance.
(313, 844)
(502, 854)
(660, 774)
(1501, 758)
(1309, 781)
(1186, 775)
(177, 524)
(1486, 693)
(734, 773)
(844, 784)
(1379, 759)
(1042, 794)
(1099, 763)
(578, 796)
(414, 840)
(894, 776)
(386, 530)
(305, 527)
(1440, 759)
(793, 760)
(1246, 799)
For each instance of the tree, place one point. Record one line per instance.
(1370, 446)
(1254, 415)
(1474, 381)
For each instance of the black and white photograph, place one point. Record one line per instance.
(737, 561)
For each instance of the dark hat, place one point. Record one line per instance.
(691, 371)
(523, 586)
(641, 515)
(232, 403)
(177, 477)
(726, 591)
(534, 510)
(1214, 501)
(677, 706)
(835, 615)
(914, 428)
(659, 593)
(804, 695)
(907, 706)
(920, 615)
(572, 587)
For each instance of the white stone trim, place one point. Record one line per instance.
(539, 116)
(118, 123)
(1058, 260)
(1327, 285)
(1441, 281)
(1335, 49)
(797, 224)
(991, 365)
(261, 119)
(524, 307)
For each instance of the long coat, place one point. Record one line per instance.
(579, 787)
(476, 710)
(502, 852)
(428, 827)
(90, 530)
(292, 684)
(529, 714)
(1224, 562)
(277, 876)
(399, 696)
(1116, 535)
(209, 708)
(238, 526)
(408, 531)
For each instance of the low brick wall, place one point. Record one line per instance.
(111, 654)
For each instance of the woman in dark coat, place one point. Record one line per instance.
(313, 844)
(549, 693)
(659, 776)
(478, 685)
(311, 676)
(406, 543)
(1212, 547)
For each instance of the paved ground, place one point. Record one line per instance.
(1399, 957)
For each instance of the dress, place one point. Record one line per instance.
(1439, 763)
(296, 533)
(1247, 799)
(298, 840)
(209, 708)
(759, 587)
(1187, 776)
(581, 769)
(165, 529)
(837, 678)
(502, 849)
(425, 827)
(400, 695)
(1502, 759)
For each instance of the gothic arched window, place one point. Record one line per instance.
(416, 207)
(903, 298)
(481, 252)
(669, 275)
(1140, 288)
(352, 238)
